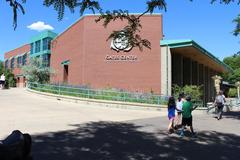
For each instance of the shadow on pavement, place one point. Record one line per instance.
(123, 141)
(232, 115)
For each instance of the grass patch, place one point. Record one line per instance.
(107, 94)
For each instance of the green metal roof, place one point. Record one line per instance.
(188, 43)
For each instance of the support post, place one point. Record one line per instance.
(238, 88)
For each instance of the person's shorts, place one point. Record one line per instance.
(1, 82)
(187, 121)
(171, 116)
(219, 106)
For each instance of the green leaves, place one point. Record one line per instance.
(237, 28)
(59, 6)
(234, 63)
(153, 4)
(194, 91)
(35, 71)
(226, 1)
(15, 7)
(130, 31)
(91, 5)
(1, 67)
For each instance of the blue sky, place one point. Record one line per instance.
(208, 25)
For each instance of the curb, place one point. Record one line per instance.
(106, 103)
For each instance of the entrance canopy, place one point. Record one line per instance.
(190, 49)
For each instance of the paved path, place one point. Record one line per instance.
(32, 113)
(68, 131)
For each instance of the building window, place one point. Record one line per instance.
(37, 46)
(47, 43)
(19, 61)
(46, 60)
(24, 59)
(6, 64)
(32, 47)
(12, 63)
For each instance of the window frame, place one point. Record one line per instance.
(24, 59)
(12, 65)
(37, 46)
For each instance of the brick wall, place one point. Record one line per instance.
(84, 45)
(18, 51)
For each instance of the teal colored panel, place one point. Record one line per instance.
(40, 53)
(67, 62)
(174, 42)
(43, 35)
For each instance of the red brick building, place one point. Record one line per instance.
(81, 55)
(15, 59)
(39, 45)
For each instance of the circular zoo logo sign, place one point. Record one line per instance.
(121, 43)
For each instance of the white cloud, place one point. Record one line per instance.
(40, 26)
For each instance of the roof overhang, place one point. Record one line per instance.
(190, 49)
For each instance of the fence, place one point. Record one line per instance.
(108, 94)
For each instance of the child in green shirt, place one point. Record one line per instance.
(187, 115)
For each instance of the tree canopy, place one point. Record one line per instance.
(9, 76)
(234, 63)
(1, 67)
(131, 30)
(37, 71)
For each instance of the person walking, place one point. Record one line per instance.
(171, 113)
(179, 110)
(187, 109)
(219, 104)
(2, 81)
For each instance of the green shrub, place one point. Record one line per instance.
(232, 92)
(36, 71)
(10, 81)
(194, 91)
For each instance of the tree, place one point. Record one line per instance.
(131, 30)
(194, 91)
(232, 92)
(1, 67)
(36, 71)
(234, 63)
(10, 80)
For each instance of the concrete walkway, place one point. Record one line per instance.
(34, 114)
(71, 131)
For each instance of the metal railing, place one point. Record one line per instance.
(230, 105)
(108, 94)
